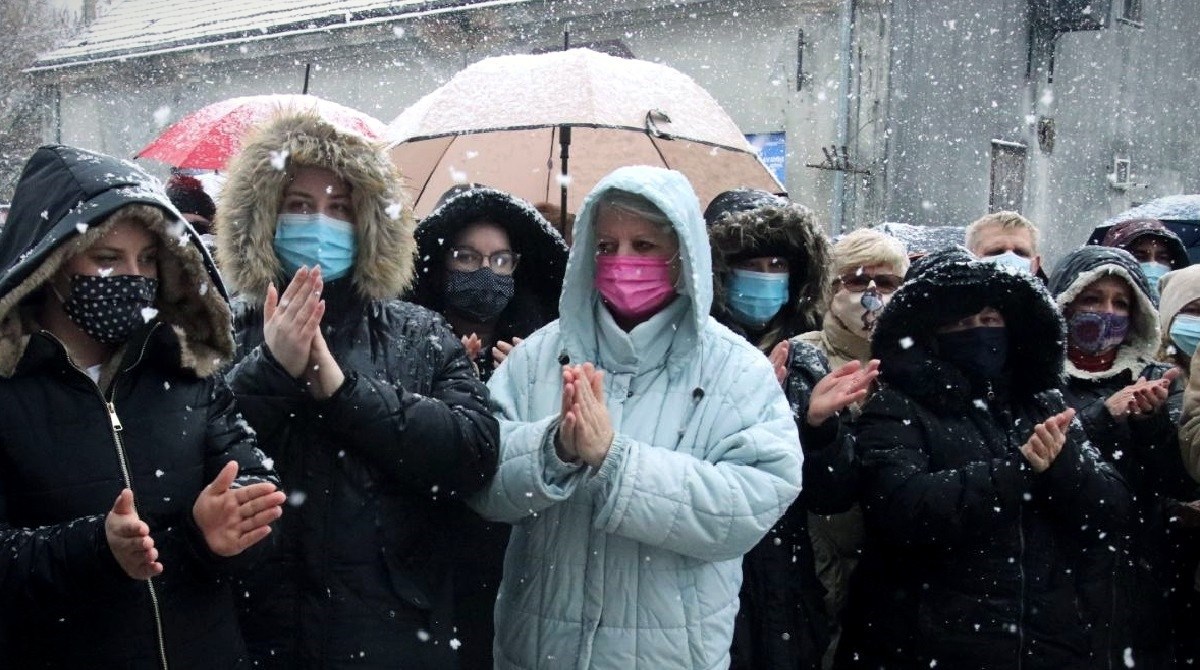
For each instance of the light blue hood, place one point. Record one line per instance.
(671, 192)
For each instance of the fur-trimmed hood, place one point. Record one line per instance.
(252, 195)
(62, 195)
(773, 227)
(539, 273)
(945, 286)
(1084, 266)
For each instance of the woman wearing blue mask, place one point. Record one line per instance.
(980, 493)
(367, 404)
(771, 266)
(1179, 317)
(1130, 406)
(1157, 249)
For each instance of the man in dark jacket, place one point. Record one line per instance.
(113, 328)
(369, 405)
(983, 502)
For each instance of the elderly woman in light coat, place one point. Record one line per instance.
(645, 448)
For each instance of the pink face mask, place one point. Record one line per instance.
(634, 287)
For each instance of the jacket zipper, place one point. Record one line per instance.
(127, 479)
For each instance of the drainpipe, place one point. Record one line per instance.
(845, 51)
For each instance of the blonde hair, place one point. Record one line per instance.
(1003, 219)
(865, 247)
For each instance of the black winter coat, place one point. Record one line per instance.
(164, 427)
(972, 560)
(782, 623)
(371, 472)
(1155, 560)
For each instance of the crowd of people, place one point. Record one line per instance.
(293, 427)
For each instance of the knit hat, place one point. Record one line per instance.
(1122, 235)
(187, 194)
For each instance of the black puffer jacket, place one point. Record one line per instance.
(362, 579)
(538, 277)
(1155, 557)
(972, 560)
(160, 422)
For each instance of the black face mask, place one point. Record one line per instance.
(480, 294)
(981, 352)
(110, 308)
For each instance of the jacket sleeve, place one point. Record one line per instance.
(715, 508)
(915, 505)
(50, 565)
(531, 477)
(1189, 421)
(268, 395)
(830, 469)
(1157, 452)
(1084, 491)
(443, 444)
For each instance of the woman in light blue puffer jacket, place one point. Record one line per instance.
(632, 507)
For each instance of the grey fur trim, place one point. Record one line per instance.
(246, 217)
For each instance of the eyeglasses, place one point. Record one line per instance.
(859, 281)
(466, 259)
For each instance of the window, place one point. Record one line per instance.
(1008, 176)
(1132, 11)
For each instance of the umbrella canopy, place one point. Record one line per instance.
(503, 122)
(1179, 213)
(207, 138)
(920, 240)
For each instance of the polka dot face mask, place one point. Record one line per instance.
(110, 308)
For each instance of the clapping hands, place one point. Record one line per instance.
(1142, 398)
(585, 430)
(839, 389)
(292, 331)
(1047, 440)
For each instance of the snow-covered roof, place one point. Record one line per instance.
(133, 28)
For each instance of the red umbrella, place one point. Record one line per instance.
(208, 137)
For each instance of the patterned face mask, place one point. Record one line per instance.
(481, 294)
(1097, 332)
(110, 308)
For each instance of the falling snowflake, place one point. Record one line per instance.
(148, 314)
(279, 160)
(906, 342)
(394, 210)
(81, 227)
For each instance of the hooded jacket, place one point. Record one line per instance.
(1179, 288)
(371, 468)
(637, 563)
(539, 272)
(1146, 453)
(971, 559)
(160, 422)
(479, 551)
(744, 224)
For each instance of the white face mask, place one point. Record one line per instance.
(1012, 260)
(848, 307)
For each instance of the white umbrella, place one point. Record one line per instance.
(508, 122)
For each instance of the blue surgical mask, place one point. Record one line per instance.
(756, 297)
(312, 240)
(1012, 260)
(1185, 333)
(1154, 272)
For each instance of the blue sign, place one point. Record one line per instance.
(772, 149)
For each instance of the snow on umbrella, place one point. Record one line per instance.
(508, 121)
(207, 138)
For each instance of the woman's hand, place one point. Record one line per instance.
(129, 539)
(291, 320)
(587, 419)
(1142, 398)
(235, 519)
(323, 374)
(472, 344)
(564, 441)
(839, 389)
(778, 358)
(501, 350)
(1047, 440)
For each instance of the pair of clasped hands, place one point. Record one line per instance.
(850, 383)
(585, 431)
